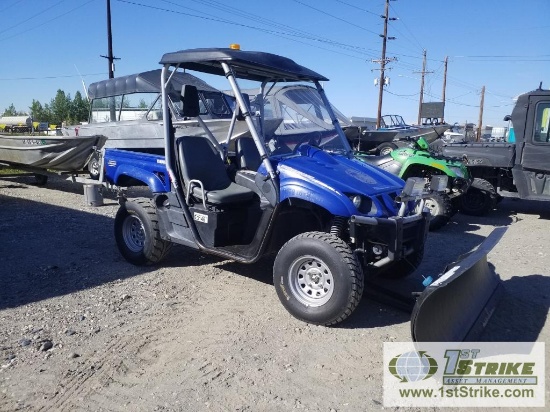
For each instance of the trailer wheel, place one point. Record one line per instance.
(405, 266)
(317, 278)
(94, 167)
(441, 210)
(386, 148)
(137, 233)
(479, 199)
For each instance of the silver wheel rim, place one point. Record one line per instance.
(133, 233)
(94, 167)
(311, 281)
(386, 151)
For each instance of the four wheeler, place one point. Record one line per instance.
(464, 193)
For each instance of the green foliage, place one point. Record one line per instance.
(80, 109)
(60, 109)
(11, 111)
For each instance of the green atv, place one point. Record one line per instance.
(470, 195)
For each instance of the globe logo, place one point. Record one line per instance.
(412, 366)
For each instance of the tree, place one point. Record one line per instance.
(11, 111)
(80, 109)
(39, 113)
(60, 107)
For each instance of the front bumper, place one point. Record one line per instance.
(397, 237)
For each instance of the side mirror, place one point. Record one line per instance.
(190, 101)
(240, 113)
(507, 118)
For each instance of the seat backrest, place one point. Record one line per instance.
(248, 156)
(190, 100)
(200, 160)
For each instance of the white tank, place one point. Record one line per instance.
(16, 121)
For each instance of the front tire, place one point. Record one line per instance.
(479, 199)
(317, 278)
(137, 234)
(441, 210)
(385, 148)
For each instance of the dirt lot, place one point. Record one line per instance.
(81, 329)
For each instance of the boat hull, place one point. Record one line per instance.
(58, 153)
(148, 136)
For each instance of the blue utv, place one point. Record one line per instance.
(332, 221)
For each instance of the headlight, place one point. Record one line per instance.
(363, 204)
(439, 183)
(414, 186)
(457, 171)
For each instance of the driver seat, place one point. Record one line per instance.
(201, 167)
(205, 175)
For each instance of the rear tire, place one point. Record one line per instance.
(137, 234)
(385, 148)
(479, 199)
(318, 278)
(441, 210)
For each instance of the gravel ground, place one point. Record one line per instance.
(83, 330)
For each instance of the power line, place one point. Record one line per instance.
(335, 17)
(50, 77)
(11, 5)
(300, 35)
(407, 28)
(46, 22)
(358, 8)
(31, 17)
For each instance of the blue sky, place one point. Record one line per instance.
(499, 44)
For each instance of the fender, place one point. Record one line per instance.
(147, 168)
(336, 203)
(412, 157)
(327, 180)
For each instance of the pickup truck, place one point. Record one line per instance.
(332, 222)
(520, 169)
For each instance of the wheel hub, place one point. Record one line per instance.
(311, 281)
(134, 235)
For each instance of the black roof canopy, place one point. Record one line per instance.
(146, 82)
(250, 65)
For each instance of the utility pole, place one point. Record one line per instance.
(110, 56)
(480, 121)
(111, 59)
(383, 61)
(444, 88)
(424, 72)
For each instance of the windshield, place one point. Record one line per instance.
(301, 118)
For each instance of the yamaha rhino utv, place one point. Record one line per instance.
(332, 221)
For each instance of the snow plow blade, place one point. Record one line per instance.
(457, 306)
